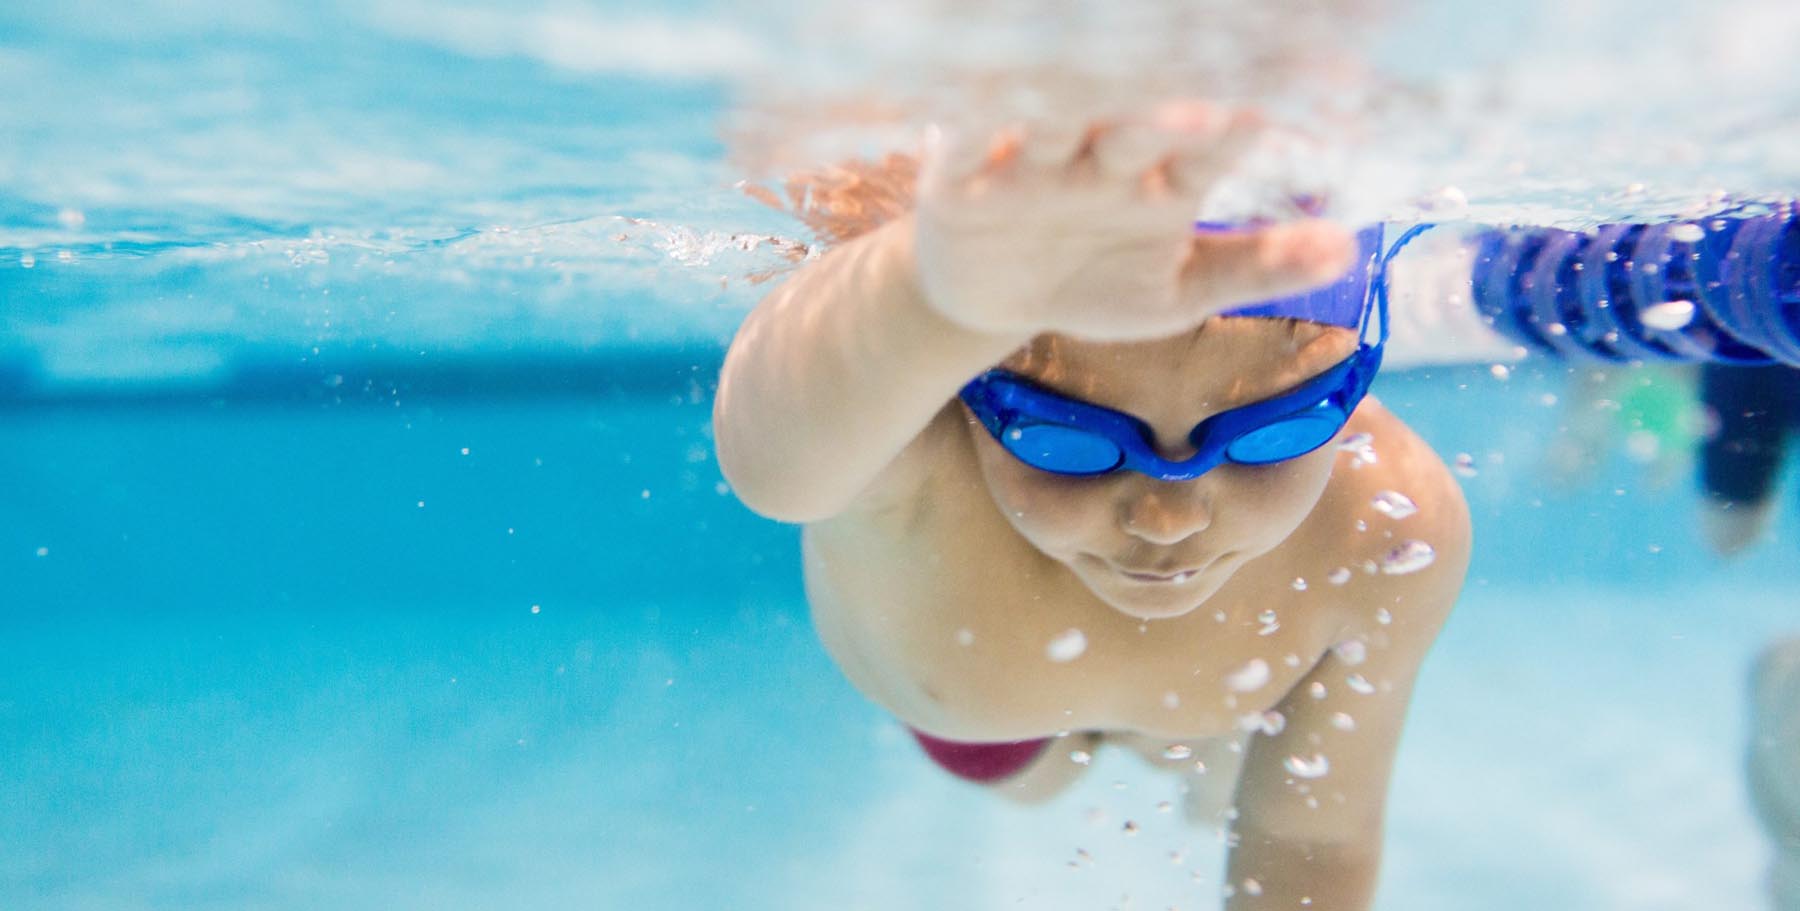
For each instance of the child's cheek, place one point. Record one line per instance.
(1054, 512)
(1288, 491)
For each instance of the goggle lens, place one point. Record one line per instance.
(1288, 438)
(1064, 450)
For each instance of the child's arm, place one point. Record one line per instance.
(833, 373)
(840, 368)
(1319, 838)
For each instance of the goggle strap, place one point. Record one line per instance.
(1378, 286)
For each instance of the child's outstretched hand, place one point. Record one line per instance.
(1089, 232)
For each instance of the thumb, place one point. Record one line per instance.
(1231, 268)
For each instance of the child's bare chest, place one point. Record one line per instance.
(960, 628)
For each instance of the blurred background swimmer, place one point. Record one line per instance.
(1732, 425)
(1754, 413)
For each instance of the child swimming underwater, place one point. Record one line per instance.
(1049, 487)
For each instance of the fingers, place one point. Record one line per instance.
(1228, 269)
(1189, 114)
(1179, 149)
(1053, 144)
(1123, 151)
(954, 156)
(964, 159)
(1200, 158)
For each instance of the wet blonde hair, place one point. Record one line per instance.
(842, 201)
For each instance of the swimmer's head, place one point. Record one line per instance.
(1152, 548)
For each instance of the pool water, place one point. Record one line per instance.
(283, 655)
(362, 546)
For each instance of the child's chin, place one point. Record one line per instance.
(1155, 604)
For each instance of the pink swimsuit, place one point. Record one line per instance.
(982, 762)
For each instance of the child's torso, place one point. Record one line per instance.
(945, 615)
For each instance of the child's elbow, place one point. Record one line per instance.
(766, 486)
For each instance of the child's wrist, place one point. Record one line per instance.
(903, 246)
(898, 266)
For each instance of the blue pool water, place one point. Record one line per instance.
(361, 543)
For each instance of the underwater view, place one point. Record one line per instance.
(584, 454)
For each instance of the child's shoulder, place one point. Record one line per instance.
(1401, 516)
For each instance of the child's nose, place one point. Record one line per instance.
(1165, 512)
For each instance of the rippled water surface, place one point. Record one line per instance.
(187, 185)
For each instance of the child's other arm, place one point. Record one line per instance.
(1312, 798)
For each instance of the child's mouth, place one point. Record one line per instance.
(1151, 578)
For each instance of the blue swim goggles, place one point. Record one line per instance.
(1052, 432)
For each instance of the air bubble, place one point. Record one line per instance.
(1177, 751)
(1270, 623)
(1254, 675)
(1342, 721)
(1080, 757)
(1500, 372)
(1314, 766)
(1339, 576)
(1394, 504)
(965, 637)
(1171, 700)
(1383, 616)
(1642, 446)
(1447, 199)
(1361, 447)
(1316, 690)
(1687, 233)
(1409, 556)
(1270, 722)
(1668, 315)
(1067, 646)
(1464, 465)
(1299, 584)
(1360, 684)
(1351, 651)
